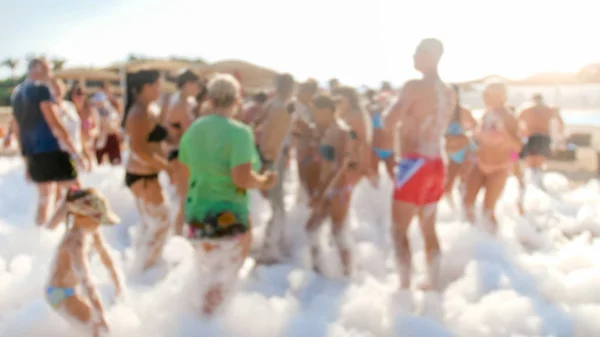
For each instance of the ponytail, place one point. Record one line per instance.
(129, 98)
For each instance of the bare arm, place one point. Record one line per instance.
(396, 113)
(470, 122)
(347, 161)
(360, 152)
(244, 177)
(242, 153)
(561, 123)
(137, 127)
(511, 128)
(82, 271)
(95, 131)
(107, 261)
(181, 114)
(260, 115)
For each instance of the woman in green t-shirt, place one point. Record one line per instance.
(222, 164)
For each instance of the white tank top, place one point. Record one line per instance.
(72, 123)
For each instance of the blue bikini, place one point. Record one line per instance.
(455, 129)
(378, 124)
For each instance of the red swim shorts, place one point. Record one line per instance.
(419, 180)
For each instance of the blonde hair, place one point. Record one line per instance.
(498, 89)
(223, 90)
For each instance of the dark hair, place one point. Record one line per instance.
(202, 94)
(456, 89)
(385, 85)
(352, 96)
(77, 193)
(334, 82)
(35, 61)
(76, 88)
(310, 87)
(370, 95)
(134, 83)
(324, 102)
(261, 97)
(185, 77)
(284, 83)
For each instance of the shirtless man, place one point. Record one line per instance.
(423, 109)
(536, 123)
(304, 139)
(274, 124)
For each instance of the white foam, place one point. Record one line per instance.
(494, 287)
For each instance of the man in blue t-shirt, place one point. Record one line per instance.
(40, 130)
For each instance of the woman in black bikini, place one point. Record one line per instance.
(145, 161)
(179, 117)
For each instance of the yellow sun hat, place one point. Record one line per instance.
(91, 203)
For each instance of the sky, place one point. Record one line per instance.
(359, 42)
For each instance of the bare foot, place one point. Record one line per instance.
(426, 286)
(520, 208)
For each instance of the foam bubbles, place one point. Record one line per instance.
(539, 278)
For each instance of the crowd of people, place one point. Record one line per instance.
(215, 145)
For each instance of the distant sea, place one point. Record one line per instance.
(578, 104)
(569, 116)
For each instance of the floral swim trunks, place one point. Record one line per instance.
(217, 219)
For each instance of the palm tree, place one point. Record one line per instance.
(12, 64)
(58, 63)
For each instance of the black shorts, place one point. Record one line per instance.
(55, 166)
(537, 145)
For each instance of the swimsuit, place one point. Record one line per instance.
(383, 154)
(56, 296)
(455, 129)
(419, 180)
(158, 134)
(538, 145)
(490, 128)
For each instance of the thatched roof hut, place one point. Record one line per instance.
(251, 76)
(159, 65)
(93, 74)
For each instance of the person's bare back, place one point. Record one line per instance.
(427, 118)
(274, 127)
(537, 119)
(63, 275)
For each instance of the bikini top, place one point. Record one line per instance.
(328, 152)
(377, 121)
(454, 129)
(158, 134)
